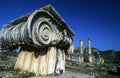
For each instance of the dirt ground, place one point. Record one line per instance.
(69, 74)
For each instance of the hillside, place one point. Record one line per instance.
(106, 70)
(111, 56)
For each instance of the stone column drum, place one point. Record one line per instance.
(44, 39)
(89, 50)
(81, 57)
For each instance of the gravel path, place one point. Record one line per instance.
(75, 75)
(69, 74)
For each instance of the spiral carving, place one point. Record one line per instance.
(42, 32)
(45, 33)
(38, 29)
(34, 32)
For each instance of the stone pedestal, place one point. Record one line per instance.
(82, 59)
(91, 58)
(42, 62)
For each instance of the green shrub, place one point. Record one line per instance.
(16, 71)
(7, 67)
(27, 74)
(4, 58)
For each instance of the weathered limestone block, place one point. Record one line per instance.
(91, 58)
(44, 39)
(60, 65)
(81, 58)
(41, 62)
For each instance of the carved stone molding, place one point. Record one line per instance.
(44, 38)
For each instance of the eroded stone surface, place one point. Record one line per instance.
(44, 39)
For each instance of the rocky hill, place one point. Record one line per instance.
(111, 56)
(108, 69)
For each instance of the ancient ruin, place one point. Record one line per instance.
(83, 49)
(44, 39)
(81, 58)
(89, 50)
(85, 54)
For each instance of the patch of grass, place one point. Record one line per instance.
(27, 74)
(8, 67)
(16, 71)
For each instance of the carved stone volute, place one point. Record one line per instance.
(42, 33)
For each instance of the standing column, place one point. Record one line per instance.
(89, 46)
(89, 50)
(81, 58)
(81, 46)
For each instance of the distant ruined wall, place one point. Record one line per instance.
(44, 38)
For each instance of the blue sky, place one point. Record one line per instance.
(98, 20)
